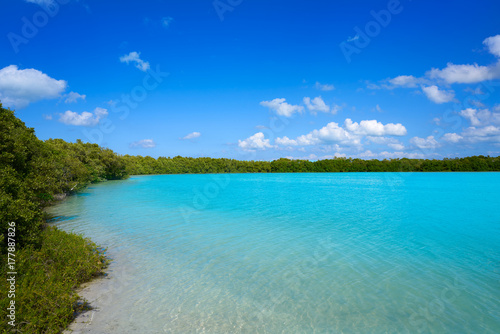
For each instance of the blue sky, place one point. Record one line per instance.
(257, 79)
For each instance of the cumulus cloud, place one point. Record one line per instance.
(462, 73)
(19, 88)
(484, 127)
(401, 81)
(471, 115)
(390, 142)
(452, 137)
(72, 97)
(438, 96)
(144, 143)
(408, 81)
(493, 45)
(324, 87)
(134, 57)
(425, 143)
(487, 131)
(331, 133)
(471, 73)
(84, 119)
(451, 74)
(316, 104)
(255, 142)
(192, 135)
(374, 128)
(285, 141)
(350, 135)
(280, 107)
(480, 117)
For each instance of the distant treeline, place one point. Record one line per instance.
(138, 165)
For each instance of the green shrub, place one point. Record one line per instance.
(47, 279)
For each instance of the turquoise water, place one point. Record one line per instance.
(295, 253)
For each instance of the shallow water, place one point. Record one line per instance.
(295, 253)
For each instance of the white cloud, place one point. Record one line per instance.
(19, 88)
(192, 135)
(486, 131)
(285, 141)
(255, 142)
(425, 143)
(480, 117)
(84, 119)
(401, 81)
(451, 74)
(390, 142)
(72, 97)
(331, 133)
(473, 134)
(350, 135)
(397, 147)
(493, 44)
(374, 128)
(408, 81)
(317, 104)
(166, 21)
(462, 73)
(134, 57)
(471, 115)
(144, 143)
(324, 87)
(452, 137)
(282, 108)
(438, 96)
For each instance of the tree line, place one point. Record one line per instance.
(139, 165)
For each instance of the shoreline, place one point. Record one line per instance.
(89, 292)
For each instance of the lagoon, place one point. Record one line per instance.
(294, 253)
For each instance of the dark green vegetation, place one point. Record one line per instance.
(47, 278)
(51, 263)
(137, 165)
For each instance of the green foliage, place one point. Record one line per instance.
(138, 165)
(32, 172)
(46, 281)
(50, 263)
